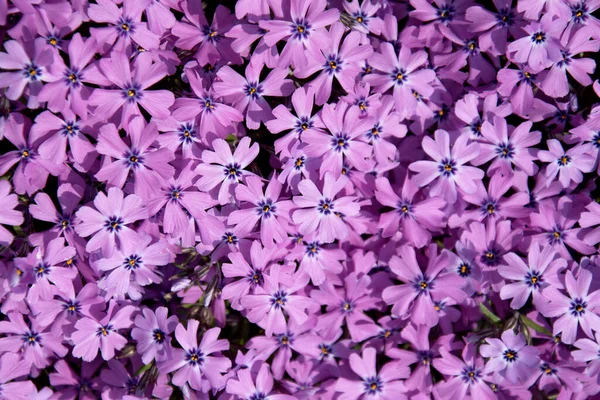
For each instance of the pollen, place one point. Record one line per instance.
(72, 78)
(159, 337)
(133, 159)
(579, 14)
(194, 358)
(229, 238)
(266, 209)
(104, 331)
(114, 224)
(213, 34)
(324, 350)
(373, 386)
(71, 308)
(564, 160)
(252, 90)
(448, 167)
(69, 261)
(340, 142)
(304, 127)
(232, 171)
(489, 255)
(32, 72)
(64, 223)
(359, 20)
(374, 131)
(255, 278)
(387, 334)
(471, 46)
(53, 42)
(132, 262)
(534, 279)
(548, 371)
(333, 64)
(24, 154)
(362, 106)
(404, 209)
(399, 77)
(186, 133)
(423, 285)
(491, 209)
(300, 29)
(284, 340)
(299, 162)
(131, 93)
(325, 207)
(556, 235)
(125, 27)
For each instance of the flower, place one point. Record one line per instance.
(245, 388)
(151, 332)
(509, 356)
(194, 363)
(10, 216)
(568, 165)
(574, 309)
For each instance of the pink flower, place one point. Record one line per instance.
(510, 357)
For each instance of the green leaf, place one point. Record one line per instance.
(143, 369)
(488, 314)
(536, 327)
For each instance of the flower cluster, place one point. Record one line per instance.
(299, 199)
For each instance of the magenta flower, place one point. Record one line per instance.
(194, 364)
(491, 241)
(417, 218)
(147, 164)
(266, 309)
(222, 167)
(448, 169)
(505, 150)
(195, 30)
(385, 128)
(251, 275)
(247, 93)
(344, 143)
(568, 165)
(92, 334)
(132, 88)
(34, 345)
(591, 218)
(518, 85)
(495, 26)
(29, 64)
(65, 89)
(10, 216)
(272, 212)
(245, 388)
(127, 28)
(404, 73)
(576, 309)
(540, 48)
(317, 260)
(421, 289)
(466, 375)
(109, 222)
(303, 32)
(335, 61)
(372, 384)
(510, 357)
(152, 332)
(321, 212)
(541, 271)
(133, 265)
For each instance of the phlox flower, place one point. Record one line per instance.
(495, 26)
(266, 308)
(247, 93)
(568, 165)
(386, 126)
(245, 387)
(509, 356)
(31, 341)
(194, 363)
(131, 88)
(335, 61)
(11, 367)
(577, 308)
(222, 167)
(591, 218)
(517, 85)
(491, 241)
(468, 109)
(385, 384)
(304, 31)
(448, 170)
(135, 261)
(321, 212)
(420, 289)
(272, 212)
(151, 332)
(92, 335)
(9, 216)
(317, 261)
(541, 271)
(109, 220)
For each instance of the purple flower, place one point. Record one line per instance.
(541, 271)
(509, 356)
(30, 341)
(92, 335)
(266, 309)
(132, 88)
(247, 93)
(335, 61)
(372, 384)
(304, 31)
(568, 165)
(421, 289)
(448, 169)
(194, 363)
(222, 167)
(109, 222)
(245, 388)
(152, 332)
(321, 212)
(577, 308)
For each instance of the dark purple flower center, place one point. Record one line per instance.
(133, 93)
(175, 193)
(510, 356)
(195, 357)
(464, 270)
(325, 206)
(445, 13)
(538, 37)
(233, 171)
(505, 150)
(361, 18)
(300, 29)
(210, 34)
(470, 374)
(132, 262)
(313, 249)
(489, 208)
(134, 159)
(476, 127)
(54, 40)
(579, 12)
(471, 47)
(72, 77)
(253, 90)
(399, 76)
(564, 160)
(505, 18)
(299, 163)
(333, 64)
(373, 385)
(113, 224)
(285, 339)
(26, 154)
(32, 72)
(303, 124)
(423, 284)
(547, 369)
(346, 306)
(533, 279)
(490, 257)
(578, 306)
(187, 133)
(447, 167)
(158, 336)
(104, 330)
(404, 209)
(257, 396)
(266, 208)
(230, 238)
(41, 269)
(278, 299)
(31, 338)
(256, 277)
(556, 236)
(125, 26)
(72, 307)
(526, 77)
(375, 132)
(325, 349)
(70, 128)
(340, 142)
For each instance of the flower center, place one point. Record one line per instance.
(510, 355)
